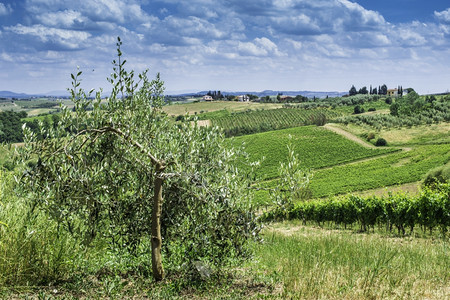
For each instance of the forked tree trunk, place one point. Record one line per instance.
(157, 266)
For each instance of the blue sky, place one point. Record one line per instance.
(228, 45)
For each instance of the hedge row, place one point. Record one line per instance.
(431, 209)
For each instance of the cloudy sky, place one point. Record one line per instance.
(228, 45)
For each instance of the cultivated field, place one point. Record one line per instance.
(316, 147)
(202, 107)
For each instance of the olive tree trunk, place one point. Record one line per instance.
(157, 266)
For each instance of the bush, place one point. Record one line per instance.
(370, 136)
(380, 142)
(437, 176)
(358, 110)
(388, 100)
(319, 119)
(372, 109)
(429, 210)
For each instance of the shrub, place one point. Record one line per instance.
(370, 136)
(372, 109)
(380, 142)
(319, 119)
(358, 110)
(436, 176)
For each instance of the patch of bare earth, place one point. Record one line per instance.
(204, 123)
(412, 188)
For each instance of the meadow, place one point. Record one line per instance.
(404, 136)
(394, 169)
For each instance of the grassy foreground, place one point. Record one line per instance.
(312, 263)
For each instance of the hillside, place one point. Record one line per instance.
(331, 243)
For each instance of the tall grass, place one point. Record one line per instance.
(32, 250)
(319, 264)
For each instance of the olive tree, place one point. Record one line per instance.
(118, 168)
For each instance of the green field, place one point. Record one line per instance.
(33, 107)
(394, 169)
(397, 168)
(8, 105)
(339, 165)
(316, 147)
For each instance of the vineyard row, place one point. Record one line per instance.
(429, 210)
(265, 120)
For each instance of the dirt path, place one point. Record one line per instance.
(348, 135)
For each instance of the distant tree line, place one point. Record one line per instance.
(216, 95)
(381, 90)
(413, 104)
(286, 99)
(11, 125)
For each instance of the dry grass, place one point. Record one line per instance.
(423, 134)
(417, 134)
(412, 189)
(38, 111)
(348, 135)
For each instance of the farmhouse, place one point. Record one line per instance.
(285, 98)
(392, 92)
(243, 98)
(207, 98)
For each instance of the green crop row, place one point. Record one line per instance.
(397, 168)
(249, 122)
(429, 210)
(316, 147)
(388, 170)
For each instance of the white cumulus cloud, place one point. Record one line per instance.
(443, 16)
(5, 9)
(69, 39)
(259, 47)
(65, 19)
